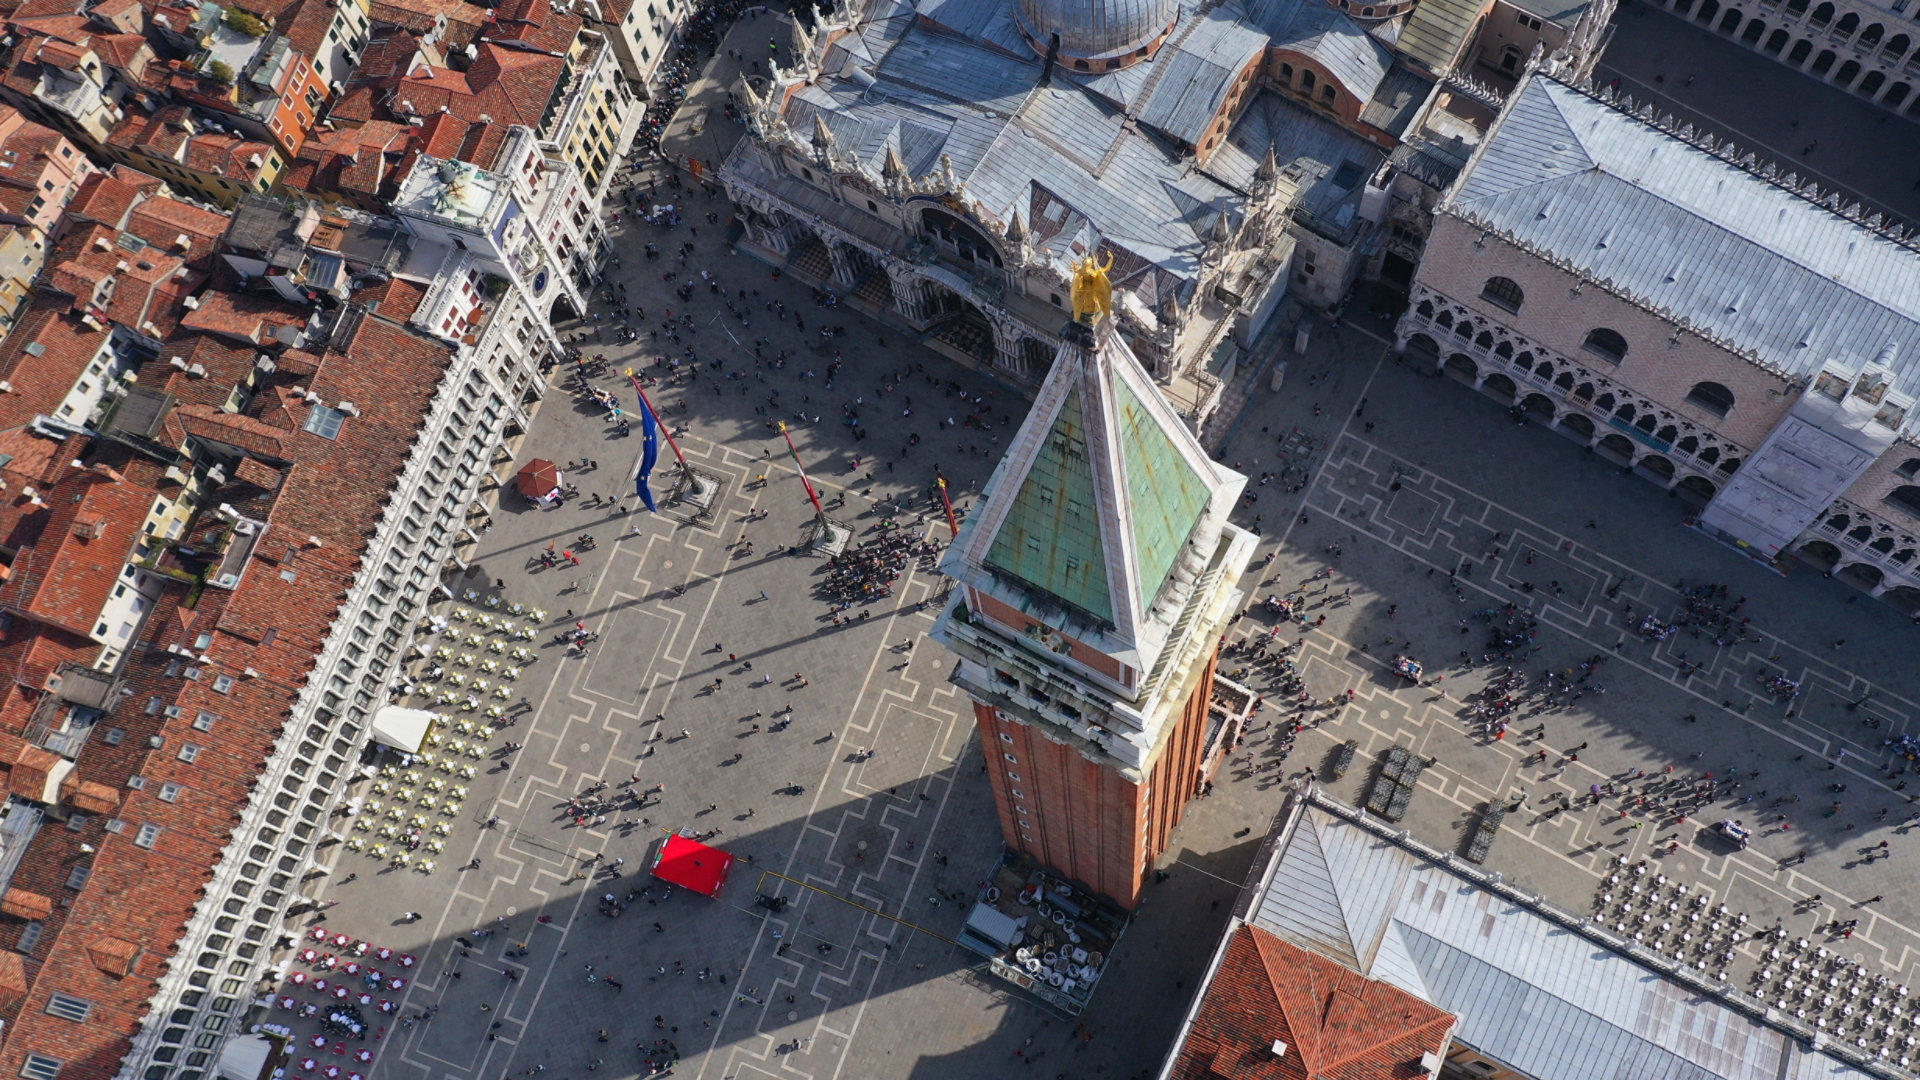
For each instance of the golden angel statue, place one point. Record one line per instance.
(1092, 292)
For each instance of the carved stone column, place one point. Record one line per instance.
(842, 266)
(908, 300)
(1006, 345)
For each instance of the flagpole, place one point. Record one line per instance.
(678, 456)
(951, 523)
(808, 484)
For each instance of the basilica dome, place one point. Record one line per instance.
(1097, 35)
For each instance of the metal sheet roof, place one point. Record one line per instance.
(1529, 992)
(946, 84)
(1201, 65)
(1332, 39)
(1397, 99)
(1436, 31)
(1692, 235)
(1329, 163)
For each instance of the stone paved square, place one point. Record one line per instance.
(859, 976)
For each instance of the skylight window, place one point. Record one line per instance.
(324, 421)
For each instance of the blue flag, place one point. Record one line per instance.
(649, 453)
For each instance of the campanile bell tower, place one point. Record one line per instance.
(1095, 578)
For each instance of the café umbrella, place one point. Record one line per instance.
(538, 478)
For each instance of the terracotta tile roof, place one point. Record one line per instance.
(29, 771)
(227, 364)
(503, 86)
(47, 353)
(144, 182)
(271, 623)
(464, 20)
(264, 477)
(129, 53)
(31, 462)
(13, 978)
(112, 955)
(242, 432)
(37, 9)
(446, 136)
(157, 134)
(148, 282)
(120, 12)
(394, 298)
(64, 576)
(30, 654)
(1337, 1024)
(357, 161)
(254, 319)
(57, 53)
(162, 221)
(305, 24)
(104, 198)
(468, 111)
(229, 156)
(22, 904)
(390, 49)
(88, 796)
(534, 24)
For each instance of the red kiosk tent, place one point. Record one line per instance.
(693, 865)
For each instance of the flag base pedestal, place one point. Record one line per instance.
(828, 537)
(697, 489)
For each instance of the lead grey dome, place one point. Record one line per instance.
(1113, 32)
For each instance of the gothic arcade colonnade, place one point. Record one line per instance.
(1877, 554)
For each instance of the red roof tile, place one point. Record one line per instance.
(242, 432)
(65, 574)
(270, 623)
(534, 24)
(113, 955)
(510, 81)
(29, 771)
(45, 355)
(226, 363)
(1337, 1024)
(464, 20)
(357, 162)
(104, 198)
(162, 221)
(29, 655)
(251, 319)
(22, 904)
(394, 298)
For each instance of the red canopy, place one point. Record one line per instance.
(538, 477)
(693, 865)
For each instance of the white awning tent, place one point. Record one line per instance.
(246, 1058)
(401, 728)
